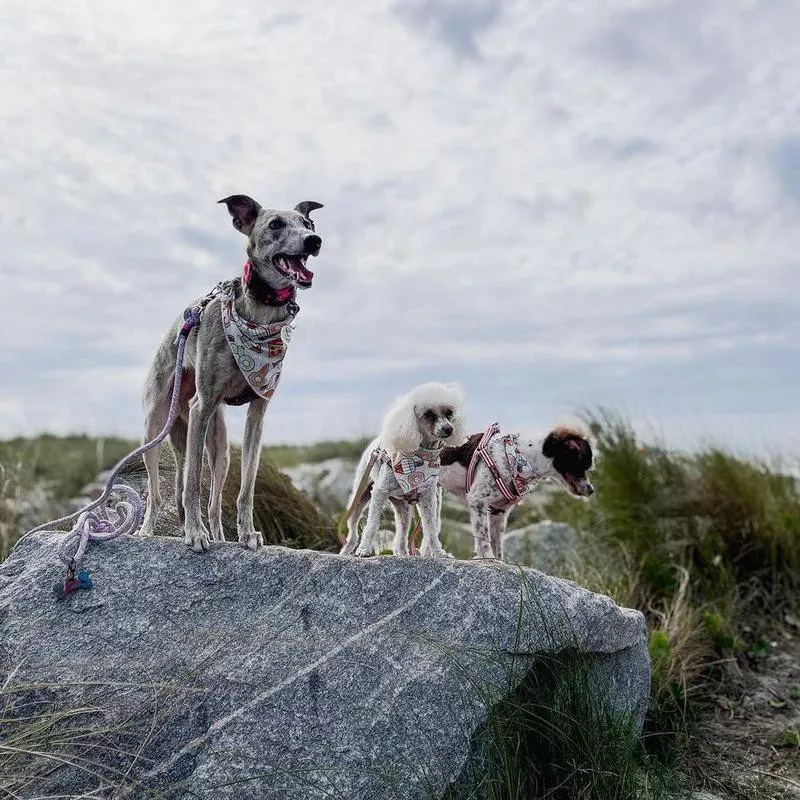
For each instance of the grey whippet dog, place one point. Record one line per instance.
(278, 244)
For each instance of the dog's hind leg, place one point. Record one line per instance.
(403, 513)
(352, 523)
(369, 536)
(177, 439)
(219, 461)
(251, 452)
(478, 513)
(154, 422)
(200, 415)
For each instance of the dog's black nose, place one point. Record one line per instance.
(312, 244)
(446, 431)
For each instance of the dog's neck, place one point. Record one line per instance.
(532, 450)
(260, 291)
(262, 303)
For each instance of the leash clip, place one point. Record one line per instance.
(72, 581)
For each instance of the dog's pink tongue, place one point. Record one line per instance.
(299, 270)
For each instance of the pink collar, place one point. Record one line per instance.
(262, 291)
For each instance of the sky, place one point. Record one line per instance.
(562, 205)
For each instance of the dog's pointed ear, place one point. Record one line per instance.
(306, 207)
(244, 211)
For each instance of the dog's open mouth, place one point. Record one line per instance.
(581, 487)
(294, 267)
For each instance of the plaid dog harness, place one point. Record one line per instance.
(519, 467)
(257, 349)
(415, 472)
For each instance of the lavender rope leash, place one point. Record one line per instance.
(97, 522)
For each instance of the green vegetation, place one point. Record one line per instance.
(554, 737)
(708, 546)
(38, 475)
(291, 455)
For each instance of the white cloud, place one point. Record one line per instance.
(545, 195)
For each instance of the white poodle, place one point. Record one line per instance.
(402, 466)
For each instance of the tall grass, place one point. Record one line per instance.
(706, 544)
(64, 463)
(555, 737)
(733, 524)
(285, 455)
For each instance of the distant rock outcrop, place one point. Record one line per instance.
(326, 483)
(291, 673)
(546, 545)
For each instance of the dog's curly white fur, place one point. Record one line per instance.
(430, 413)
(563, 456)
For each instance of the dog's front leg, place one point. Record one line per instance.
(402, 519)
(369, 536)
(218, 461)
(251, 452)
(478, 513)
(200, 415)
(431, 525)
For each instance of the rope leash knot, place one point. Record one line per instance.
(99, 521)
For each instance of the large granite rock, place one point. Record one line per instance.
(291, 673)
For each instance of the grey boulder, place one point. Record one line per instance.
(291, 673)
(546, 545)
(327, 483)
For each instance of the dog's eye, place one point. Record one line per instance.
(430, 416)
(276, 224)
(309, 225)
(447, 413)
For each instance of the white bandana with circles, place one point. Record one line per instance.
(257, 349)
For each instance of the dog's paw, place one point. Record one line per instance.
(252, 540)
(364, 552)
(197, 539)
(217, 534)
(435, 552)
(146, 532)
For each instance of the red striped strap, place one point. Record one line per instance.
(482, 452)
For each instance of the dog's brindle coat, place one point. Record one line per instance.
(211, 377)
(564, 455)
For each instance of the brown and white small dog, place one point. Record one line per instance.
(564, 456)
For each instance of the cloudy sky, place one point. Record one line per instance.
(560, 204)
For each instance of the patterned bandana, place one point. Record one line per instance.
(519, 468)
(257, 349)
(417, 471)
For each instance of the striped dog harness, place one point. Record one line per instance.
(520, 468)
